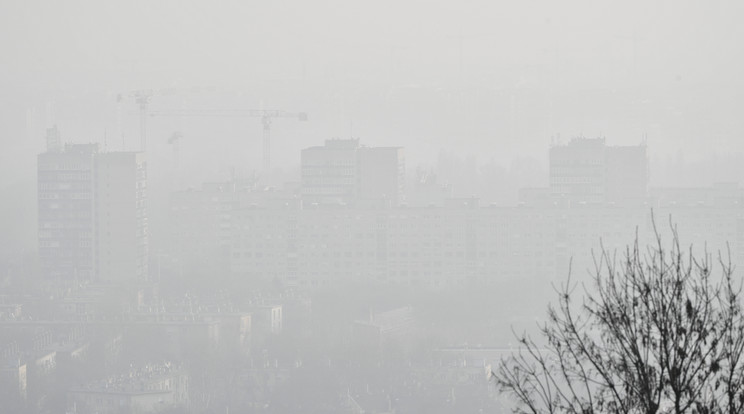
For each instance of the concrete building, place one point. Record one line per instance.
(10, 311)
(626, 173)
(394, 324)
(458, 243)
(588, 170)
(92, 214)
(329, 173)
(317, 245)
(147, 389)
(27, 364)
(266, 319)
(13, 378)
(344, 172)
(122, 228)
(450, 241)
(382, 173)
(66, 212)
(187, 326)
(200, 222)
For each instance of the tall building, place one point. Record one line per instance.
(626, 173)
(121, 199)
(342, 171)
(456, 240)
(66, 212)
(329, 173)
(199, 230)
(588, 170)
(92, 214)
(382, 173)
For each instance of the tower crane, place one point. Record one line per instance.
(142, 99)
(266, 115)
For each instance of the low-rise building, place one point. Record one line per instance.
(147, 389)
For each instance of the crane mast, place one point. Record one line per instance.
(143, 100)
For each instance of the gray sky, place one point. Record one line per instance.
(492, 78)
(103, 45)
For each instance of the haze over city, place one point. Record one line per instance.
(379, 188)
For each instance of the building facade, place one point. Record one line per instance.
(343, 172)
(588, 170)
(147, 389)
(67, 212)
(121, 220)
(92, 214)
(459, 243)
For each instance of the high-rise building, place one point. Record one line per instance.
(66, 215)
(587, 170)
(329, 172)
(199, 230)
(121, 200)
(626, 173)
(342, 171)
(92, 214)
(382, 173)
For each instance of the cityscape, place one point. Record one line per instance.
(336, 228)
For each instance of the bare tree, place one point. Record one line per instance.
(655, 332)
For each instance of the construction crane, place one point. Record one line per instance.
(266, 115)
(142, 99)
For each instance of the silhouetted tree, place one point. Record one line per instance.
(656, 332)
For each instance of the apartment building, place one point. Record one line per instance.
(92, 214)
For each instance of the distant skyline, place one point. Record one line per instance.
(418, 205)
(491, 83)
(431, 76)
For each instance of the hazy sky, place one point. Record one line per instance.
(493, 78)
(100, 45)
